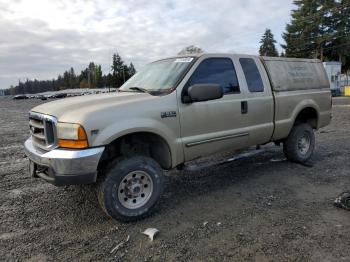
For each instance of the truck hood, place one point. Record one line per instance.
(75, 109)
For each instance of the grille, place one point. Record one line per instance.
(43, 130)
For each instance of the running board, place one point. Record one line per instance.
(196, 167)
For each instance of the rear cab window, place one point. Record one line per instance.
(252, 75)
(219, 71)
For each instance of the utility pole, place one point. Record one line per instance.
(89, 78)
(109, 79)
(110, 74)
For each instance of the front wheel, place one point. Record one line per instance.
(300, 143)
(131, 188)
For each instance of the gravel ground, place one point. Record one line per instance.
(261, 208)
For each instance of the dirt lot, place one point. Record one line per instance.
(261, 208)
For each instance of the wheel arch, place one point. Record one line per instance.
(139, 143)
(308, 114)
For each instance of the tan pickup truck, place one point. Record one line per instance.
(175, 110)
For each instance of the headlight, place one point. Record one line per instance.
(71, 136)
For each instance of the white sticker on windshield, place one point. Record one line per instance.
(184, 60)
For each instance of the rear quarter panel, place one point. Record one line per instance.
(289, 104)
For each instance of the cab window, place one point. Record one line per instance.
(252, 75)
(216, 71)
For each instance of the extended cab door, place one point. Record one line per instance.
(258, 99)
(216, 125)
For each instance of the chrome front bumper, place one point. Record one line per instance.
(63, 166)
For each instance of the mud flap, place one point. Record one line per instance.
(32, 169)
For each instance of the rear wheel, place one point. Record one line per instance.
(131, 188)
(300, 144)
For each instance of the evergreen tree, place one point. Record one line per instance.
(66, 80)
(117, 71)
(59, 82)
(72, 78)
(109, 80)
(126, 74)
(302, 29)
(319, 29)
(91, 70)
(92, 76)
(99, 77)
(132, 70)
(267, 42)
(341, 42)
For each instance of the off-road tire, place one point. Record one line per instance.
(109, 183)
(292, 145)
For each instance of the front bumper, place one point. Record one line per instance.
(64, 167)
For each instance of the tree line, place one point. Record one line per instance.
(91, 77)
(318, 29)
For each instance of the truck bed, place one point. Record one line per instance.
(297, 84)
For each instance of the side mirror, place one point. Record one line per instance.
(204, 92)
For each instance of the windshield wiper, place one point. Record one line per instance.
(140, 89)
(143, 90)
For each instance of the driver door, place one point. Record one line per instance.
(212, 126)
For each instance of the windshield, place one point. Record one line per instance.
(161, 76)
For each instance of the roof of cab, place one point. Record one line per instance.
(263, 58)
(197, 55)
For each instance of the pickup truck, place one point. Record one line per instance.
(175, 110)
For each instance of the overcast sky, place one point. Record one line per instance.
(42, 38)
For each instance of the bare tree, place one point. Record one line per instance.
(191, 50)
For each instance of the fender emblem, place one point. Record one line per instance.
(168, 114)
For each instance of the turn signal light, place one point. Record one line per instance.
(73, 143)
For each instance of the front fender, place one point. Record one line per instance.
(135, 125)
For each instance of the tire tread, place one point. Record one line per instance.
(289, 146)
(116, 167)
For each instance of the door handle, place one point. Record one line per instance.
(244, 107)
